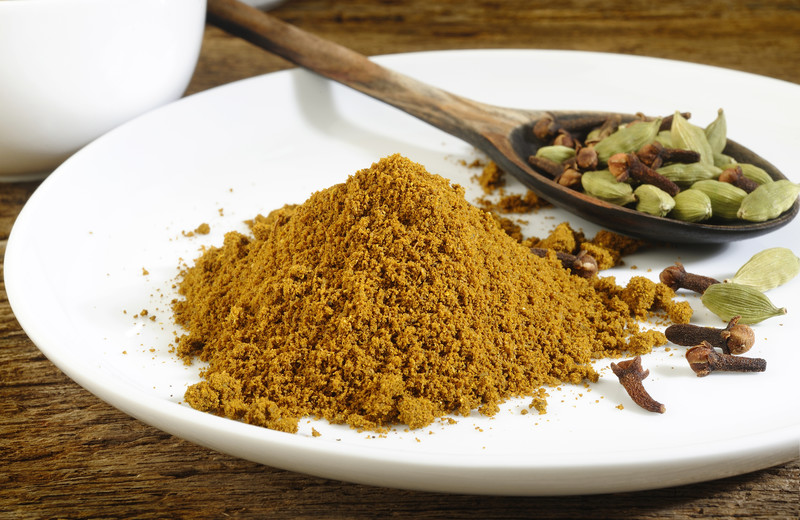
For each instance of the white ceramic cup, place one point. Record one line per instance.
(71, 70)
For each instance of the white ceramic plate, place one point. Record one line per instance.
(75, 260)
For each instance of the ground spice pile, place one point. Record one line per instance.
(388, 299)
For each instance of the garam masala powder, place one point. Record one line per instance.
(389, 299)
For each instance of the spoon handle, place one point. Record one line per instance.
(463, 118)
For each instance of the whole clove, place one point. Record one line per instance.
(609, 126)
(570, 177)
(546, 166)
(546, 128)
(631, 374)
(628, 166)
(675, 277)
(564, 138)
(586, 158)
(736, 338)
(703, 360)
(735, 176)
(655, 155)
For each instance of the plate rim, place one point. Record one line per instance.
(784, 443)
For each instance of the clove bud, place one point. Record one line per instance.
(570, 178)
(631, 374)
(609, 126)
(703, 360)
(546, 128)
(735, 176)
(628, 166)
(737, 338)
(546, 166)
(655, 154)
(586, 158)
(565, 138)
(675, 277)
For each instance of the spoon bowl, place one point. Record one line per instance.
(504, 134)
(627, 220)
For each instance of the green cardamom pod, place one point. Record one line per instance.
(691, 206)
(768, 269)
(725, 198)
(627, 139)
(724, 161)
(684, 175)
(687, 136)
(768, 201)
(664, 138)
(755, 173)
(653, 200)
(717, 133)
(603, 185)
(556, 153)
(727, 300)
(593, 136)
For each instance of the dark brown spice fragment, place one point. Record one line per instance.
(666, 121)
(675, 277)
(628, 166)
(586, 158)
(650, 154)
(631, 374)
(655, 154)
(570, 177)
(546, 128)
(703, 359)
(564, 138)
(736, 338)
(736, 177)
(609, 126)
(546, 166)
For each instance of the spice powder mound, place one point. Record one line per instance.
(387, 299)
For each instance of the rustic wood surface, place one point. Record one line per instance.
(66, 454)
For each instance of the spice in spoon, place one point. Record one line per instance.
(670, 153)
(734, 175)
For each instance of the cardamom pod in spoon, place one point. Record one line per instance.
(504, 134)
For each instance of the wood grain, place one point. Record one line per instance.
(66, 454)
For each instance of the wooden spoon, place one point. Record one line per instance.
(504, 134)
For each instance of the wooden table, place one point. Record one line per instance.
(65, 453)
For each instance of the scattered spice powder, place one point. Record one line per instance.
(539, 401)
(202, 229)
(389, 299)
(607, 247)
(491, 178)
(517, 203)
(510, 227)
(562, 239)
